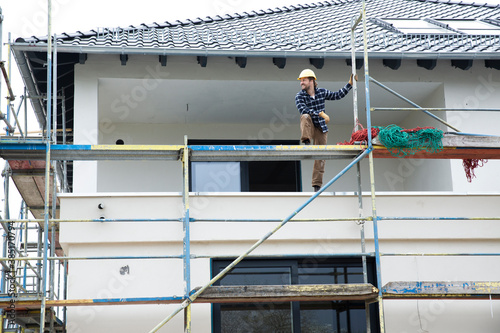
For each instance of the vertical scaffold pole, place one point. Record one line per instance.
(361, 223)
(353, 72)
(54, 183)
(372, 174)
(9, 76)
(47, 168)
(186, 255)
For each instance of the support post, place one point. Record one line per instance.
(353, 73)
(372, 173)
(47, 168)
(363, 243)
(65, 187)
(186, 255)
(25, 112)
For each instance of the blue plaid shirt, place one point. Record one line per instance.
(313, 106)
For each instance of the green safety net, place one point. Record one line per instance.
(403, 142)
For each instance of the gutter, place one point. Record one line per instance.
(255, 53)
(25, 71)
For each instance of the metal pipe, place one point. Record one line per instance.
(16, 120)
(11, 96)
(353, 73)
(193, 256)
(92, 258)
(371, 167)
(16, 115)
(25, 112)
(25, 244)
(95, 220)
(181, 220)
(332, 219)
(54, 95)
(186, 253)
(289, 255)
(7, 76)
(65, 163)
(6, 175)
(363, 245)
(367, 76)
(432, 109)
(29, 81)
(47, 168)
(412, 103)
(1, 53)
(53, 231)
(39, 259)
(479, 254)
(65, 292)
(189, 300)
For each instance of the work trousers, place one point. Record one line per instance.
(316, 136)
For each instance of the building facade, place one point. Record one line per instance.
(231, 81)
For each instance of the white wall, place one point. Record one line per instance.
(85, 126)
(391, 174)
(163, 277)
(483, 91)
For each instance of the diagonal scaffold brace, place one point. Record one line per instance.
(195, 295)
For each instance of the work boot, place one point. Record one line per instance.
(316, 188)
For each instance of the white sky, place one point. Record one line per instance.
(29, 17)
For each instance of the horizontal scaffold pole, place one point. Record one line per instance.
(331, 219)
(433, 109)
(412, 103)
(193, 256)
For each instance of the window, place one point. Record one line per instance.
(472, 27)
(297, 317)
(438, 26)
(247, 176)
(416, 26)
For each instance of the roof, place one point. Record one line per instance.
(317, 29)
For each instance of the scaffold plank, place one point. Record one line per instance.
(29, 178)
(446, 153)
(274, 153)
(288, 293)
(36, 151)
(455, 146)
(227, 294)
(442, 289)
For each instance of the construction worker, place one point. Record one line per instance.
(310, 102)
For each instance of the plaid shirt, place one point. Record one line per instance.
(313, 106)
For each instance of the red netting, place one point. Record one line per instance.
(360, 136)
(470, 165)
(416, 129)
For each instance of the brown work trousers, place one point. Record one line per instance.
(316, 136)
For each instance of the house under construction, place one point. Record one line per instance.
(169, 190)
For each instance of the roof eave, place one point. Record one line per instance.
(20, 47)
(31, 86)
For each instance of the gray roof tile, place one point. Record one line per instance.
(320, 26)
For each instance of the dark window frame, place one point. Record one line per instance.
(247, 168)
(294, 265)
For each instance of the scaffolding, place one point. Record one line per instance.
(36, 291)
